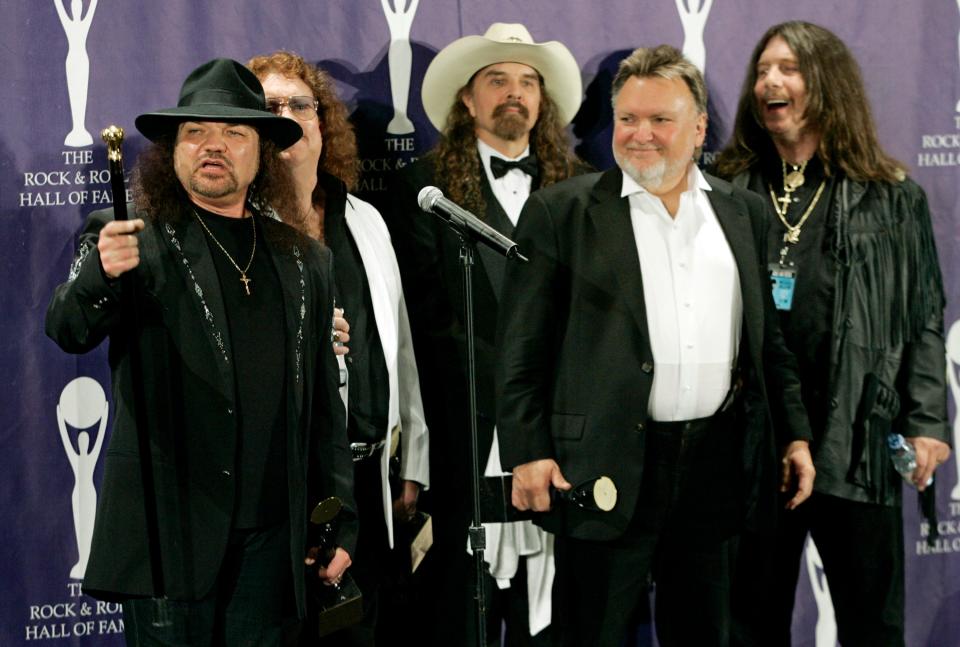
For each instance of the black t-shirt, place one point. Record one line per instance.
(807, 326)
(256, 323)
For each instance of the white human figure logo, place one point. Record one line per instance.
(826, 630)
(953, 364)
(82, 405)
(693, 17)
(77, 27)
(400, 58)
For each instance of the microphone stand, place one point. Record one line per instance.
(469, 229)
(477, 534)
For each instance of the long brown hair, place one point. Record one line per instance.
(457, 163)
(339, 156)
(837, 106)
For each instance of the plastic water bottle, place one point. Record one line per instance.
(903, 456)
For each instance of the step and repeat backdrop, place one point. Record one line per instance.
(68, 68)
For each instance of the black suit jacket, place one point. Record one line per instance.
(191, 399)
(576, 364)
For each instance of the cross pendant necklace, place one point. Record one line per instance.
(243, 272)
(791, 234)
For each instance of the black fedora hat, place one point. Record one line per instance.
(221, 90)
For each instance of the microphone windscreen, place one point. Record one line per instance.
(428, 197)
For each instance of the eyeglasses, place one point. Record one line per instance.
(301, 108)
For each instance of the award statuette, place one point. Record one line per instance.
(336, 606)
(597, 495)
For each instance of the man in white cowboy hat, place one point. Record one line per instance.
(501, 102)
(641, 343)
(243, 415)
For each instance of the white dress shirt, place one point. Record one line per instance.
(511, 190)
(691, 289)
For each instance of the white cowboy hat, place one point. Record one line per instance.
(456, 63)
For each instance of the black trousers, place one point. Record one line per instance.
(861, 546)
(251, 603)
(680, 538)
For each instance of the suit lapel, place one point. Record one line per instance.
(196, 267)
(377, 259)
(288, 262)
(734, 219)
(610, 215)
(493, 263)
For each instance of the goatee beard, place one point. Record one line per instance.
(510, 126)
(649, 178)
(212, 190)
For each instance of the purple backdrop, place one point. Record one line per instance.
(68, 73)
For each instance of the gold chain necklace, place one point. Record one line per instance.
(791, 182)
(243, 272)
(792, 234)
(794, 179)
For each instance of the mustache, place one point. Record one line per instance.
(500, 110)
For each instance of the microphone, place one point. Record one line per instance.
(431, 199)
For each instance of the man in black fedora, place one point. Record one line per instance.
(245, 423)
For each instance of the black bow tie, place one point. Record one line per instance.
(528, 165)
